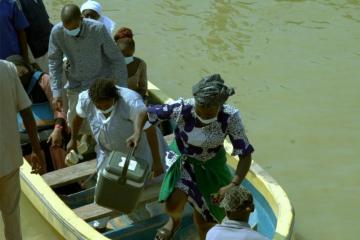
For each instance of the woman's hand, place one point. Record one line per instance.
(217, 197)
(133, 141)
(55, 137)
(72, 145)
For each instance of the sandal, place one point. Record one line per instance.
(165, 234)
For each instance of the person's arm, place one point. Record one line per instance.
(20, 23)
(23, 105)
(139, 123)
(116, 58)
(154, 146)
(55, 55)
(154, 114)
(242, 169)
(59, 115)
(23, 44)
(37, 160)
(242, 148)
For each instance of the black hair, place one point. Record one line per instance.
(103, 89)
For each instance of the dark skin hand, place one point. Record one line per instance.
(37, 160)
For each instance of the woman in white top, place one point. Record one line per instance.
(111, 112)
(92, 9)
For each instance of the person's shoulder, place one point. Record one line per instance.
(128, 94)
(230, 109)
(93, 25)
(141, 61)
(252, 234)
(57, 28)
(6, 67)
(84, 96)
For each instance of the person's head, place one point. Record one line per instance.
(238, 204)
(103, 93)
(71, 19)
(210, 94)
(24, 69)
(91, 9)
(124, 39)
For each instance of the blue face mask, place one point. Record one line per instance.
(129, 60)
(73, 32)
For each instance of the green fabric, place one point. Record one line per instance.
(210, 177)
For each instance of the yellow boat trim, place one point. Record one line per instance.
(53, 209)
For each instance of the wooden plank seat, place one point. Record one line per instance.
(68, 175)
(93, 211)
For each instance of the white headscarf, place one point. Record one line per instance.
(92, 5)
(95, 6)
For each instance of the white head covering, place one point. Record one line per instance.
(95, 6)
(109, 24)
(92, 5)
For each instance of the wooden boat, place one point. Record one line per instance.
(74, 215)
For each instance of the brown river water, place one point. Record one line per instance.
(295, 66)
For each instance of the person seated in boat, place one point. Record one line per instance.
(111, 111)
(197, 161)
(92, 9)
(238, 204)
(37, 85)
(136, 67)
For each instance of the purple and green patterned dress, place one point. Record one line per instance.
(197, 162)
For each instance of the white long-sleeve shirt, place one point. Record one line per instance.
(233, 230)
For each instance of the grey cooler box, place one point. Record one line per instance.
(119, 190)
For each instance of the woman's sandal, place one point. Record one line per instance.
(165, 234)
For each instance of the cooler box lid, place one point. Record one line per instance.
(138, 170)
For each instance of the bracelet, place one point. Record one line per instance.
(235, 183)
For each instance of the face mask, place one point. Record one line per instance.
(73, 32)
(129, 60)
(205, 121)
(109, 110)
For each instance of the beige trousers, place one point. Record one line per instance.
(9, 205)
(72, 97)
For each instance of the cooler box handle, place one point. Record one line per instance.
(126, 165)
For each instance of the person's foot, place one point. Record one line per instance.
(168, 231)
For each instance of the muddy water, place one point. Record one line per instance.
(295, 67)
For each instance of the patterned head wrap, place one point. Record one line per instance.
(236, 198)
(211, 91)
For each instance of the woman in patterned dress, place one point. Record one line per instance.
(197, 161)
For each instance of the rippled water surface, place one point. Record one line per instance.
(295, 66)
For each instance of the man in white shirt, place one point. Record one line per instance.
(13, 99)
(238, 204)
